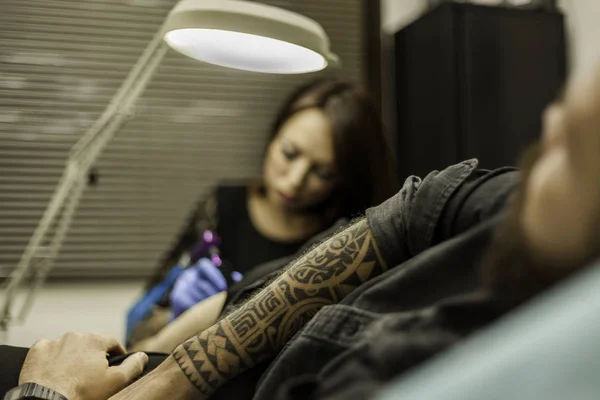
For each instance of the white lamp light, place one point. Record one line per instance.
(230, 33)
(248, 36)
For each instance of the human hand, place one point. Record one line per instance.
(167, 381)
(76, 366)
(195, 284)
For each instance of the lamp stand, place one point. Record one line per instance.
(45, 243)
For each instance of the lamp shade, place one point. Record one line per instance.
(248, 36)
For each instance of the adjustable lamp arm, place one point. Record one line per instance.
(215, 31)
(45, 243)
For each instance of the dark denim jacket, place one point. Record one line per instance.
(387, 326)
(424, 213)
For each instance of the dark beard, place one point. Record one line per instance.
(510, 271)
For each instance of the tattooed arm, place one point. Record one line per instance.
(261, 327)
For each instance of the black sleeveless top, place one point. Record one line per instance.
(243, 245)
(242, 248)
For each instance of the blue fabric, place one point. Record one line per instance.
(548, 350)
(142, 308)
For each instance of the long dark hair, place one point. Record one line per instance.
(362, 155)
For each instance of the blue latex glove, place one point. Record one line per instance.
(198, 282)
(142, 308)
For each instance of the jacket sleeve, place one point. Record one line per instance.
(439, 207)
(404, 225)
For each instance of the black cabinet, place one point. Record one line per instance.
(471, 82)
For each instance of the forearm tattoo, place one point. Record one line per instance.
(262, 326)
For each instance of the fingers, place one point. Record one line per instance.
(205, 263)
(40, 344)
(214, 276)
(208, 288)
(131, 368)
(110, 344)
(198, 292)
(92, 341)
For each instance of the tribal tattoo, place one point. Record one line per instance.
(264, 324)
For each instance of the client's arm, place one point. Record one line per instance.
(196, 319)
(261, 327)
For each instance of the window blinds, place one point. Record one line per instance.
(61, 61)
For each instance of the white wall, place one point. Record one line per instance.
(582, 17)
(395, 14)
(583, 29)
(74, 306)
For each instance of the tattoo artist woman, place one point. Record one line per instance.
(326, 160)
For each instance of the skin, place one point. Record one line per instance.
(300, 165)
(562, 194)
(298, 173)
(556, 226)
(83, 375)
(553, 226)
(300, 162)
(558, 215)
(198, 318)
(261, 327)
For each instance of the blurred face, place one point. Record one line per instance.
(299, 170)
(554, 226)
(562, 195)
